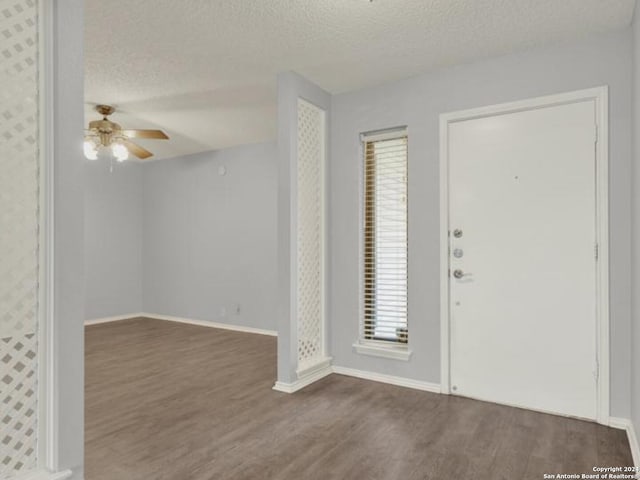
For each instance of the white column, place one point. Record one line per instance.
(303, 116)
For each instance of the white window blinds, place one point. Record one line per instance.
(385, 237)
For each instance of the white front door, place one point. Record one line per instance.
(522, 216)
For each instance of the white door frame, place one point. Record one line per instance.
(600, 96)
(48, 401)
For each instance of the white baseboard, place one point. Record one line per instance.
(206, 323)
(626, 424)
(117, 318)
(190, 321)
(44, 475)
(310, 370)
(635, 446)
(390, 379)
(305, 381)
(314, 374)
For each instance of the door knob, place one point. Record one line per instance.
(457, 233)
(458, 273)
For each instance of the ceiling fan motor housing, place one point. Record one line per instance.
(105, 110)
(106, 130)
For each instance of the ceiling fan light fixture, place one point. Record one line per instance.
(107, 139)
(90, 148)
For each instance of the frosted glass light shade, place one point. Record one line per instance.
(120, 152)
(90, 149)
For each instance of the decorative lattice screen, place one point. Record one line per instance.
(19, 201)
(311, 145)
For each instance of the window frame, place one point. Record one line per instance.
(367, 346)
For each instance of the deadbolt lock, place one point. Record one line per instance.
(457, 233)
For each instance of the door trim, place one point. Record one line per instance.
(600, 96)
(48, 401)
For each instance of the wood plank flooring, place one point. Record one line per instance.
(168, 401)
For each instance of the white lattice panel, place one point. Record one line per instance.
(311, 145)
(19, 226)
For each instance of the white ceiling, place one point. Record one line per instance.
(204, 70)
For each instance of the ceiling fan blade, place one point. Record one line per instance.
(137, 150)
(154, 134)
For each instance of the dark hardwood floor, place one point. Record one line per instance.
(168, 401)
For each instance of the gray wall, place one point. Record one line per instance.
(209, 241)
(418, 102)
(635, 369)
(113, 239)
(68, 282)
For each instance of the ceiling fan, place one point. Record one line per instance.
(105, 134)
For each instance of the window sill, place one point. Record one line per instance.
(396, 353)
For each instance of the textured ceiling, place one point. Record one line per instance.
(204, 70)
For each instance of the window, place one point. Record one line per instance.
(385, 239)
